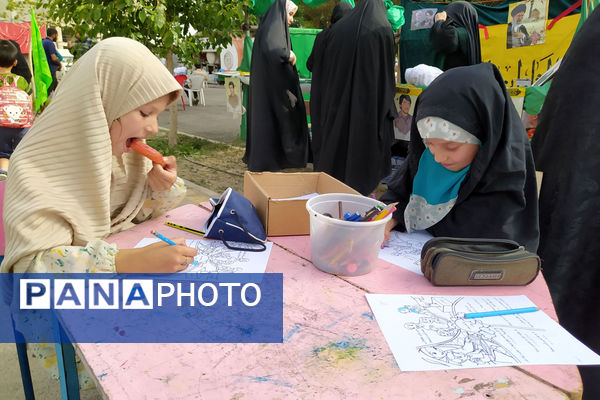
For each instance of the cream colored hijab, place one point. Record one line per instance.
(290, 6)
(65, 188)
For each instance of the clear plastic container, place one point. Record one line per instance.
(343, 247)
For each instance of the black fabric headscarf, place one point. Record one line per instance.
(277, 135)
(460, 14)
(498, 197)
(567, 151)
(340, 9)
(21, 68)
(352, 98)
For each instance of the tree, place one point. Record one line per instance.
(164, 26)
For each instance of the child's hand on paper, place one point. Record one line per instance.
(162, 177)
(156, 258)
(388, 228)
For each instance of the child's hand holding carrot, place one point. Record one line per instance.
(164, 169)
(162, 177)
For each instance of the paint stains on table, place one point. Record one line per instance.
(340, 352)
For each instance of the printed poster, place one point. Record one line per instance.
(234, 95)
(405, 100)
(527, 22)
(422, 19)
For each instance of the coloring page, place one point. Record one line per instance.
(431, 333)
(214, 257)
(404, 249)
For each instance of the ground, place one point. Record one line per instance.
(215, 166)
(216, 170)
(219, 169)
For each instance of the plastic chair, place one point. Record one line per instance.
(181, 79)
(198, 81)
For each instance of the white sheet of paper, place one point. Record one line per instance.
(214, 257)
(429, 333)
(303, 197)
(404, 249)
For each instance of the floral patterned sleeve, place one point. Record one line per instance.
(159, 203)
(96, 256)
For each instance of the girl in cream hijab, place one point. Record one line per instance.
(74, 180)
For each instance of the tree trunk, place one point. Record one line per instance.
(172, 108)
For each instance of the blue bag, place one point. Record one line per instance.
(234, 219)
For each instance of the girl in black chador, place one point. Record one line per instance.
(469, 171)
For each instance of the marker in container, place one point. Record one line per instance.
(352, 217)
(384, 214)
(388, 209)
(371, 213)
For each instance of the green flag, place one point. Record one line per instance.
(395, 14)
(41, 71)
(245, 64)
(245, 67)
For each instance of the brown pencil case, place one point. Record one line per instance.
(449, 261)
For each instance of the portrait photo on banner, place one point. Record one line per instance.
(422, 19)
(233, 93)
(404, 100)
(526, 23)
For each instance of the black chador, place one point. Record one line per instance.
(277, 135)
(352, 100)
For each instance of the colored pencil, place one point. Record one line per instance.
(390, 208)
(501, 312)
(184, 228)
(163, 238)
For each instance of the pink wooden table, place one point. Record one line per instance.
(333, 347)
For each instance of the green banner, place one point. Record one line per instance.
(302, 43)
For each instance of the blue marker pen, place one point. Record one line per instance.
(163, 238)
(355, 217)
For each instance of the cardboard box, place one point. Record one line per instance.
(287, 217)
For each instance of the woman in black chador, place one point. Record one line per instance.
(455, 36)
(352, 98)
(277, 135)
(316, 55)
(469, 171)
(567, 150)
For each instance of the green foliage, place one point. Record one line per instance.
(318, 17)
(161, 25)
(299, 16)
(19, 10)
(186, 145)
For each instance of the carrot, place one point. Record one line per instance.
(142, 148)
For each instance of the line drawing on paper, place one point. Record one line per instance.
(214, 257)
(428, 333)
(454, 340)
(404, 249)
(401, 246)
